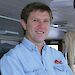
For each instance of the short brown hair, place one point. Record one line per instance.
(34, 7)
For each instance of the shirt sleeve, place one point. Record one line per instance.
(68, 69)
(11, 66)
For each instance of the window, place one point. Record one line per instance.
(54, 46)
(57, 44)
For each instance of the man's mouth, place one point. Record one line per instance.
(40, 32)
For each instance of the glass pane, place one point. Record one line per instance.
(54, 46)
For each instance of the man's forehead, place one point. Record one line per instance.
(41, 11)
(38, 12)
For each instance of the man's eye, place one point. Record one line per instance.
(35, 20)
(46, 20)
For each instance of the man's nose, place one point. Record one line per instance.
(41, 23)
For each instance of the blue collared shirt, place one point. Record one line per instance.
(25, 59)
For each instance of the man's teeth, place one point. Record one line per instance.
(40, 32)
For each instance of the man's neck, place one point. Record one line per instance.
(40, 47)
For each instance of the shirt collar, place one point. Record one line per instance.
(29, 45)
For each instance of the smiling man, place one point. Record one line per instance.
(33, 56)
(37, 27)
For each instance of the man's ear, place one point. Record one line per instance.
(23, 23)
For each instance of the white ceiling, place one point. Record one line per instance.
(63, 16)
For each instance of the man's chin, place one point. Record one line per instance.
(40, 41)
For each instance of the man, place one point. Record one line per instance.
(33, 56)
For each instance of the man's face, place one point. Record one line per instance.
(37, 26)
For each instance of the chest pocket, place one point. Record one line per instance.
(37, 72)
(30, 73)
(60, 69)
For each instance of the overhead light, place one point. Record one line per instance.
(9, 18)
(8, 32)
(55, 25)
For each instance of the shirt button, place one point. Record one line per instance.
(45, 69)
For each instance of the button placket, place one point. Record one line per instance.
(43, 60)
